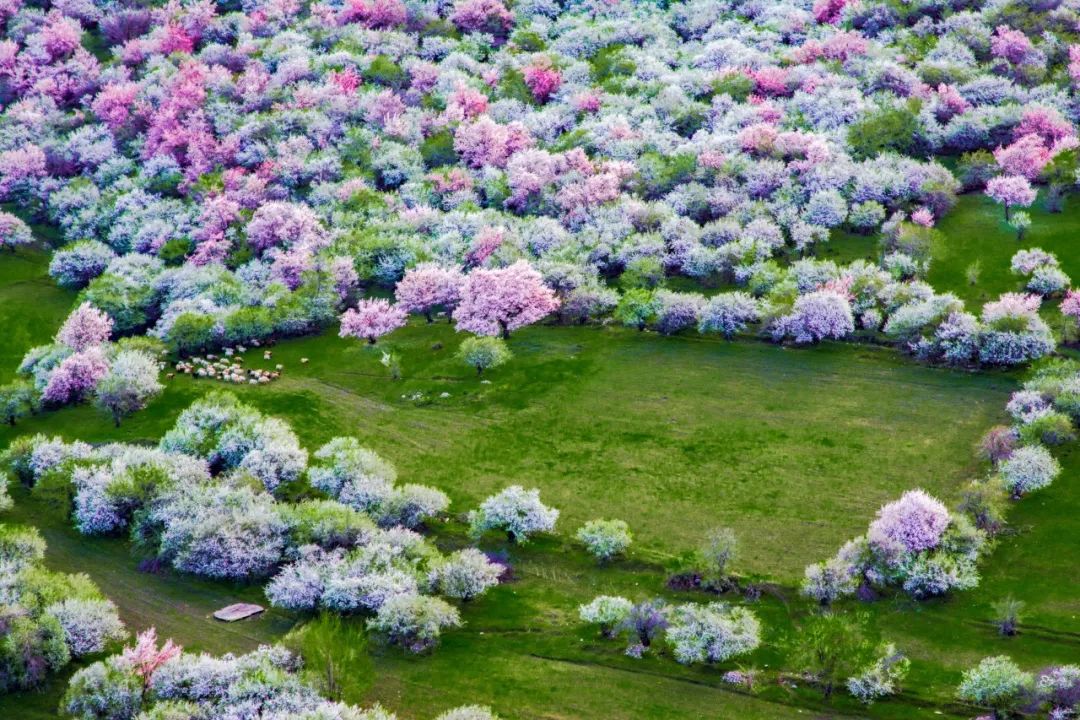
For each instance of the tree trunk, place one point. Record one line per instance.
(429, 317)
(1006, 212)
(505, 330)
(479, 370)
(371, 341)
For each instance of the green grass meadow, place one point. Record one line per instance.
(793, 448)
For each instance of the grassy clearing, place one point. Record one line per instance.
(793, 448)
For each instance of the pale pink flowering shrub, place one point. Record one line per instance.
(376, 14)
(1074, 64)
(1070, 305)
(371, 319)
(495, 302)
(61, 35)
(75, 377)
(283, 224)
(1047, 123)
(467, 103)
(828, 11)
(486, 142)
(114, 102)
(20, 169)
(484, 245)
(85, 327)
(923, 216)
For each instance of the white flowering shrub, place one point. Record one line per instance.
(882, 677)
(605, 539)
(469, 712)
(516, 511)
(414, 622)
(1029, 468)
(231, 435)
(914, 544)
(89, 625)
(219, 531)
(353, 474)
(712, 633)
(607, 612)
(464, 575)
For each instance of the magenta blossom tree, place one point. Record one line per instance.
(497, 302)
(427, 286)
(1011, 190)
(75, 377)
(371, 319)
(85, 328)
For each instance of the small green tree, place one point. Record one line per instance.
(335, 655)
(830, 648)
(637, 308)
(17, 400)
(1007, 615)
(484, 353)
(716, 553)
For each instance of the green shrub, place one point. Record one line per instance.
(890, 129)
(438, 150)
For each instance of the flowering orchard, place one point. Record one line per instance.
(204, 502)
(224, 175)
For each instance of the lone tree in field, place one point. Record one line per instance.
(484, 353)
(1011, 190)
(371, 319)
(130, 383)
(497, 302)
(516, 511)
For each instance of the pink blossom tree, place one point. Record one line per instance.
(85, 327)
(486, 142)
(542, 79)
(1011, 190)
(427, 286)
(496, 302)
(371, 319)
(1070, 305)
(1026, 157)
(146, 657)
